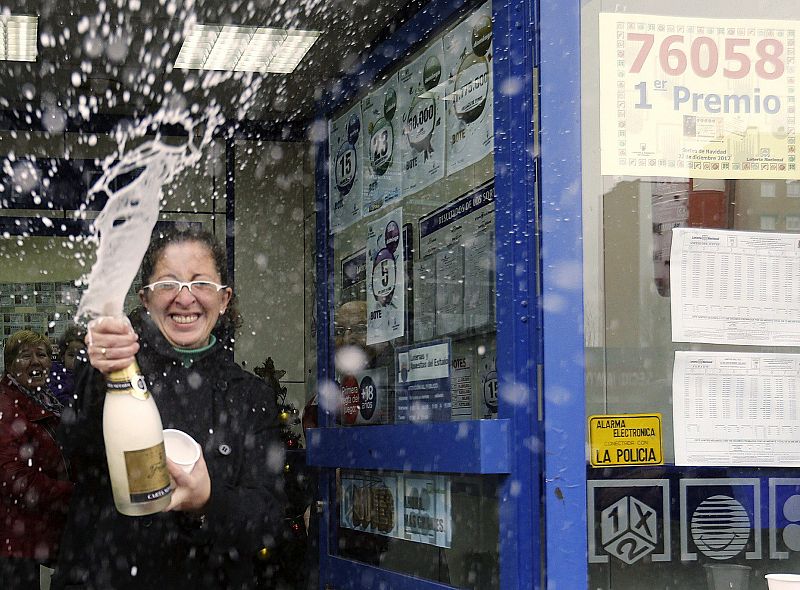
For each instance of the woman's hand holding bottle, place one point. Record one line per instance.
(111, 344)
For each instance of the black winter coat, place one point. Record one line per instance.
(233, 415)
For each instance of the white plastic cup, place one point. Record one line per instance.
(783, 581)
(181, 449)
(727, 576)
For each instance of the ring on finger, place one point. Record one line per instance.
(103, 352)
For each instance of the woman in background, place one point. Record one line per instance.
(34, 486)
(231, 504)
(62, 374)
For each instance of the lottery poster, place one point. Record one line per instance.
(468, 56)
(354, 277)
(385, 278)
(371, 502)
(427, 513)
(381, 143)
(695, 97)
(415, 508)
(421, 88)
(486, 384)
(345, 169)
(423, 386)
(365, 398)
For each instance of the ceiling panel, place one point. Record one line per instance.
(116, 56)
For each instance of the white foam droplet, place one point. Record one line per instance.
(350, 360)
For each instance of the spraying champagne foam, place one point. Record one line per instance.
(124, 226)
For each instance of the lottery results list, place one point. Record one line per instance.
(732, 287)
(736, 409)
(738, 289)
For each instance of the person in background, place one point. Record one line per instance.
(34, 485)
(232, 503)
(351, 353)
(62, 374)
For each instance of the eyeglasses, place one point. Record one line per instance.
(357, 329)
(172, 288)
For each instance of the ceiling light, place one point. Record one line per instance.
(244, 49)
(18, 38)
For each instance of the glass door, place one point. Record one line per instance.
(427, 395)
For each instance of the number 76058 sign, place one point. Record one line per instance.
(706, 69)
(736, 57)
(698, 97)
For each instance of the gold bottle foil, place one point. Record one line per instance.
(128, 381)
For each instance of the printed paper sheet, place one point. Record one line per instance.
(455, 277)
(736, 409)
(732, 287)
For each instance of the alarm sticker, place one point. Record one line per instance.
(618, 440)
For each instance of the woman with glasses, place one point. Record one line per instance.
(231, 504)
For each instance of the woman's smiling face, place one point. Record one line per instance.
(185, 318)
(31, 367)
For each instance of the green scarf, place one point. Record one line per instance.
(189, 355)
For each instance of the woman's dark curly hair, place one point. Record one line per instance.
(228, 323)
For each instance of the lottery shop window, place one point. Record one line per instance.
(688, 147)
(411, 200)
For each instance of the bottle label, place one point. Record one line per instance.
(148, 478)
(134, 385)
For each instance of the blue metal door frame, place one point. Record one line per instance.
(518, 311)
(562, 268)
(540, 338)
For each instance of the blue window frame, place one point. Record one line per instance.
(520, 363)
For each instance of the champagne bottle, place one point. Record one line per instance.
(134, 440)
